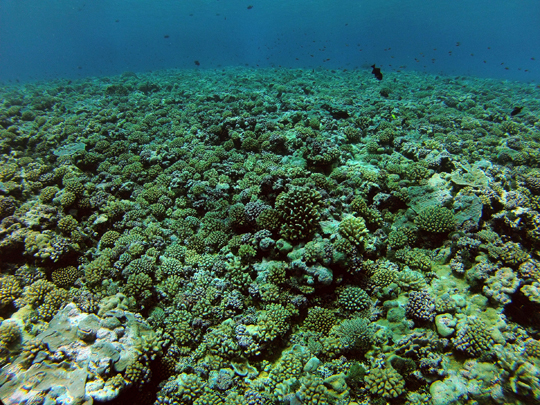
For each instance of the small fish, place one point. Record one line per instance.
(249, 7)
(166, 36)
(197, 63)
(516, 111)
(377, 72)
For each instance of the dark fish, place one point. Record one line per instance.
(377, 72)
(249, 7)
(197, 63)
(165, 36)
(516, 111)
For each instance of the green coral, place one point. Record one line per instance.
(246, 253)
(35, 293)
(139, 285)
(372, 216)
(313, 391)
(53, 301)
(473, 337)
(48, 194)
(384, 274)
(97, 270)
(356, 333)
(511, 253)
(269, 219)
(209, 397)
(320, 320)
(30, 350)
(436, 220)
(65, 277)
(532, 348)
(299, 209)
(10, 333)
(109, 238)
(67, 224)
(67, 199)
(354, 298)
(274, 321)
(10, 290)
(397, 239)
(385, 382)
(417, 260)
(354, 230)
(137, 373)
(73, 185)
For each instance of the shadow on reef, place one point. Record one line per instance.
(525, 313)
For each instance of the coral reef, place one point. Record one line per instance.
(260, 243)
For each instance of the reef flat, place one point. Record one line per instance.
(266, 236)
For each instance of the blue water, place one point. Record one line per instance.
(42, 39)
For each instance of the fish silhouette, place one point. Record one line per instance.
(377, 72)
(516, 111)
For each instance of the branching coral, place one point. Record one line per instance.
(299, 209)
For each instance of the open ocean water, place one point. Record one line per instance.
(269, 202)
